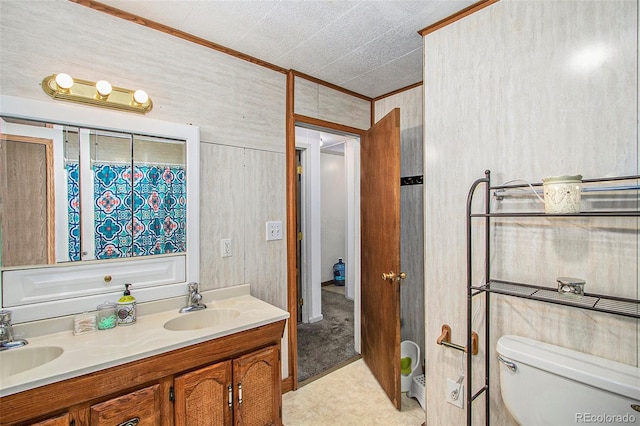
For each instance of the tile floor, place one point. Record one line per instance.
(348, 396)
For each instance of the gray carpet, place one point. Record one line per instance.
(327, 343)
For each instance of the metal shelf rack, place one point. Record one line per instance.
(595, 302)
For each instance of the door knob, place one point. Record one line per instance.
(391, 276)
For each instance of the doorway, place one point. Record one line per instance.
(327, 195)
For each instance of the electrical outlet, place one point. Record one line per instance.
(274, 230)
(225, 247)
(455, 392)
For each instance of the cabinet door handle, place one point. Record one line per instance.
(239, 393)
(230, 389)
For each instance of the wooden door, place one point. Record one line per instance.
(202, 397)
(26, 200)
(380, 227)
(257, 384)
(141, 407)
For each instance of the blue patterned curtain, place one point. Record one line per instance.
(73, 207)
(160, 210)
(112, 221)
(151, 220)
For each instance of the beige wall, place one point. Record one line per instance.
(318, 101)
(508, 89)
(233, 101)
(333, 208)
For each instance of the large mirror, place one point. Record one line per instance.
(123, 194)
(90, 200)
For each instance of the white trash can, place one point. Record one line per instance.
(412, 350)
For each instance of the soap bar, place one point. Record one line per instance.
(84, 323)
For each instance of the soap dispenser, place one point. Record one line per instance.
(126, 310)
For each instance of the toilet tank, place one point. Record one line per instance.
(552, 385)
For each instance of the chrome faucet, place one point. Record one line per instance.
(6, 333)
(193, 300)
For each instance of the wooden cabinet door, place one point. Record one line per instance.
(202, 397)
(140, 408)
(257, 385)
(62, 420)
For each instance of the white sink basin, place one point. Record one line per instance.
(17, 360)
(201, 319)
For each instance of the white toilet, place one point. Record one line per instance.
(543, 384)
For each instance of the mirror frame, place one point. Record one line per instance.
(73, 115)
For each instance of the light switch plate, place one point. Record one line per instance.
(274, 230)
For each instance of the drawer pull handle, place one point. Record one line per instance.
(131, 422)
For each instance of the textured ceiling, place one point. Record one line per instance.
(371, 47)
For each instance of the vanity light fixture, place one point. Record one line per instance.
(140, 97)
(103, 87)
(101, 93)
(64, 81)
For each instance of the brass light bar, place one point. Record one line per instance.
(61, 86)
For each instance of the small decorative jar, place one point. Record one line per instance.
(562, 194)
(84, 323)
(571, 285)
(106, 316)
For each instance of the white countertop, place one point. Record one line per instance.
(90, 352)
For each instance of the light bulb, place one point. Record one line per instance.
(64, 81)
(140, 96)
(103, 87)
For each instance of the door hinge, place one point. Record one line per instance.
(300, 236)
(300, 301)
(299, 170)
(172, 394)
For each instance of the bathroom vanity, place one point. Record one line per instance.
(216, 366)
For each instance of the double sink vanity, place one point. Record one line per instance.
(219, 365)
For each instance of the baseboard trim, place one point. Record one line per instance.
(316, 319)
(287, 385)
